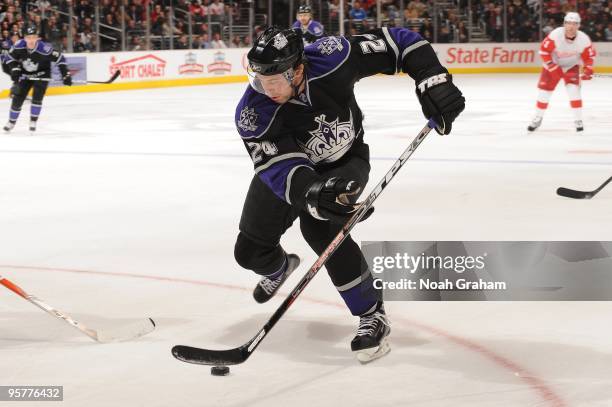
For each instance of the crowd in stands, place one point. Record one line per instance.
(167, 21)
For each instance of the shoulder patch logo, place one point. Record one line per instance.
(280, 41)
(330, 45)
(248, 118)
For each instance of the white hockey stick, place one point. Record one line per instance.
(104, 336)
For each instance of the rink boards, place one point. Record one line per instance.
(154, 69)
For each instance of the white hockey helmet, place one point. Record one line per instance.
(572, 17)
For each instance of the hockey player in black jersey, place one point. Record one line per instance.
(311, 30)
(30, 61)
(302, 127)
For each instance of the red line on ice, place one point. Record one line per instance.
(536, 384)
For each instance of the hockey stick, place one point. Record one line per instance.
(572, 193)
(110, 80)
(240, 354)
(122, 334)
(599, 75)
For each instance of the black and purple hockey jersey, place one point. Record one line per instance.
(289, 142)
(312, 32)
(35, 62)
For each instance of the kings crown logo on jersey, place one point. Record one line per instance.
(248, 118)
(330, 139)
(29, 65)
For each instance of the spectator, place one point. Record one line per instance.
(417, 8)
(357, 13)
(84, 10)
(78, 44)
(513, 31)
(137, 44)
(198, 12)
(183, 42)
(236, 42)
(217, 42)
(133, 30)
(205, 42)
(445, 35)
(334, 9)
(135, 13)
(598, 34)
(426, 30)
(462, 32)
(217, 10)
(53, 33)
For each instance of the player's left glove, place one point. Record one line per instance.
(332, 200)
(67, 80)
(440, 99)
(587, 73)
(15, 74)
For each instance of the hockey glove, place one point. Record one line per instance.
(15, 89)
(15, 74)
(67, 80)
(332, 200)
(440, 99)
(587, 73)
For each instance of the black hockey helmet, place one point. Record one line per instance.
(275, 51)
(30, 29)
(305, 9)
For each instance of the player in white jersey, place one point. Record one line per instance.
(562, 52)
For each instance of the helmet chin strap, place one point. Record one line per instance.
(296, 88)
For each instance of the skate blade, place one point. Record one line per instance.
(368, 355)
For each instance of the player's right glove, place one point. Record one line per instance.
(332, 200)
(587, 73)
(440, 99)
(67, 80)
(15, 74)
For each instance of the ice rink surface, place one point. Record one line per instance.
(126, 205)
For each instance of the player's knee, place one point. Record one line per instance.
(255, 256)
(243, 251)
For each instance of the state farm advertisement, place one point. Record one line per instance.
(149, 66)
(499, 55)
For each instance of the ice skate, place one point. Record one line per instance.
(9, 126)
(579, 125)
(32, 127)
(267, 287)
(535, 123)
(371, 343)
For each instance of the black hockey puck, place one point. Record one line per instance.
(219, 370)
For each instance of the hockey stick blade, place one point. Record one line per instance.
(111, 80)
(240, 354)
(126, 333)
(572, 193)
(235, 356)
(200, 356)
